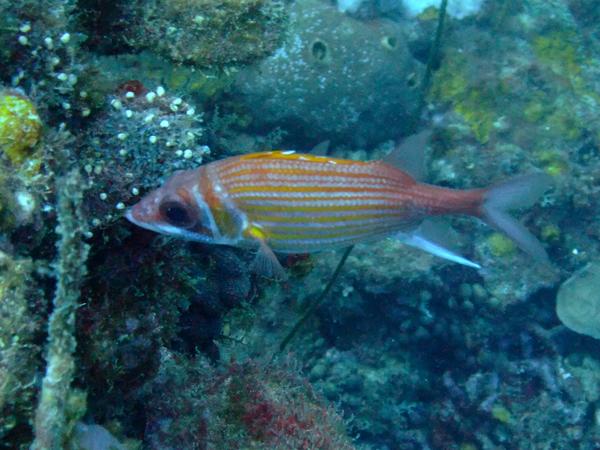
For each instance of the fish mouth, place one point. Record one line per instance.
(129, 216)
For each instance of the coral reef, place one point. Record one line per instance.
(41, 55)
(202, 86)
(176, 344)
(181, 310)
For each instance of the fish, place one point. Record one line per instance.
(287, 202)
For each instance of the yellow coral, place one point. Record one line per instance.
(553, 162)
(501, 414)
(500, 245)
(20, 126)
(550, 233)
(467, 446)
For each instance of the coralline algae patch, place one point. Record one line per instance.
(474, 98)
(20, 126)
(559, 52)
(548, 91)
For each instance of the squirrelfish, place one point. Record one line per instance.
(287, 202)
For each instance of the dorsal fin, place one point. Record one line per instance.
(409, 155)
(321, 149)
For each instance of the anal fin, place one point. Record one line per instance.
(428, 237)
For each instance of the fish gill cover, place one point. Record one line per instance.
(112, 336)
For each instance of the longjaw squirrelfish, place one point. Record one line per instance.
(287, 202)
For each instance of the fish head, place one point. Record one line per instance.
(175, 208)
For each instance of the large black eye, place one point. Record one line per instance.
(176, 214)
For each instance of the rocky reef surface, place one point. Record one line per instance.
(116, 337)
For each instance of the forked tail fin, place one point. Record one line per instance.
(519, 192)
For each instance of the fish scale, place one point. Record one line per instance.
(309, 189)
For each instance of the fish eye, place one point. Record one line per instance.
(177, 214)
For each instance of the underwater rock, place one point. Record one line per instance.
(510, 276)
(335, 76)
(586, 12)
(209, 34)
(578, 301)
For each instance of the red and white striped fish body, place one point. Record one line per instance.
(302, 203)
(298, 203)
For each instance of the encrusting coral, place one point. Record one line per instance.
(52, 421)
(21, 305)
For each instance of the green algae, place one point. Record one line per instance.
(476, 104)
(478, 100)
(553, 161)
(502, 414)
(536, 109)
(550, 233)
(565, 124)
(20, 304)
(558, 51)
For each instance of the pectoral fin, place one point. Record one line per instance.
(266, 263)
(428, 237)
